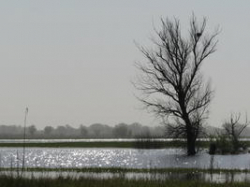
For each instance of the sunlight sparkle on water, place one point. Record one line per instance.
(117, 157)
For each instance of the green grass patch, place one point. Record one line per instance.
(71, 144)
(120, 180)
(142, 144)
(8, 181)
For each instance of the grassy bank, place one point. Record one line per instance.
(140, 144)
(133, 144)
(118, 180)
(8, 181)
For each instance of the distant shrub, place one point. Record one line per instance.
(228, 141)
(148, 143)
(223, 144)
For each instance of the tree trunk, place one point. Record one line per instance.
(191, 137)
(191, 144)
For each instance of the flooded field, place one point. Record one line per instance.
(118, 157)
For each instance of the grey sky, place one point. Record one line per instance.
(71, 61)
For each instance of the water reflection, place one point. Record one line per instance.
(115, 157)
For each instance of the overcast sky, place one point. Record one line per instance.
(72, 61)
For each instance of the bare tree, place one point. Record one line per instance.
(121, 130)
(171, 79)
(32, 130)
(48, 130)
(83, 131)
(234, 128)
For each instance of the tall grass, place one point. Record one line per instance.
(8, 181)
(24, 136)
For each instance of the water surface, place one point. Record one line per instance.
(118, 157)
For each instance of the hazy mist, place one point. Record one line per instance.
(72, 62)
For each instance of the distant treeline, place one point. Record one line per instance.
(97, 130)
